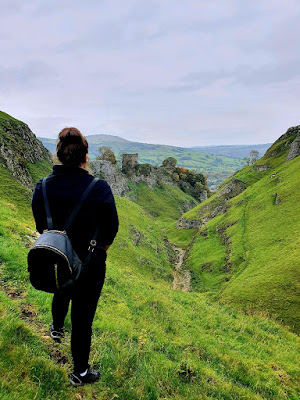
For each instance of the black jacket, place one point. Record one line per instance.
(64, 188)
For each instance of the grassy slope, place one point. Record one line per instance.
(274, 157)
(39, 169)
(22, 353)
(151, 341)
(165, 202)
(249, 255)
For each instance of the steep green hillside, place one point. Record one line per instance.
(248, 251)
(216, 168)
(165, 202)
(150, 341)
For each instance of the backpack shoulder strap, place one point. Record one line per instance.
(46, 202)
(79, 204)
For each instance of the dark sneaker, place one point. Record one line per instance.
(91, 376)
(56, 334)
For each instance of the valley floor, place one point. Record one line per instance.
(182, 278)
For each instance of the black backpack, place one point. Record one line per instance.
(53, 265)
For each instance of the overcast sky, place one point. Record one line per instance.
(175, 72)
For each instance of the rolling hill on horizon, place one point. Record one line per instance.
(237, 150)
(233, 151)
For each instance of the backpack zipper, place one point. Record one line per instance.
(56, 276)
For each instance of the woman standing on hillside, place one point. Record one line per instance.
(65, 186)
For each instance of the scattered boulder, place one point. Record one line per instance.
(277, 199)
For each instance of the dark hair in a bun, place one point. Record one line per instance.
(72, 147)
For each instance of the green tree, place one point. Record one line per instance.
(106, 154)
(169, 163)
(247, 161)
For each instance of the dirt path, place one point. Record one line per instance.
(28, 313)
(182, 278)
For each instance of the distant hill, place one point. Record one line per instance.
(233, 151)
(216, 168)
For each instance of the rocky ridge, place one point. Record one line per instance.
(295, 145)
(216, 207)
(120, 177)
(19, 147)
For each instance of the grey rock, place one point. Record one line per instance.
(294, 149)
(203, 196)
(261, 168)
(232, 189)
(290, 132)
(218, 206)
(19, 147)
(184, 223)
(113, 176)
(277, 199)
(119, 179)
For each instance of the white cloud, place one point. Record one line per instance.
(170, 72)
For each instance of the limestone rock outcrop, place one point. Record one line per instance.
(184, 223)
(113, 176)
(119, 177)
(19, 147)
(290, 132)
(231, 189)
(216, 207)
(295, 149)
(286, 141)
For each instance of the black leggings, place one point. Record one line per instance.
(84, 303)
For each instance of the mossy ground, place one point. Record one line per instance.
(150, 341)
